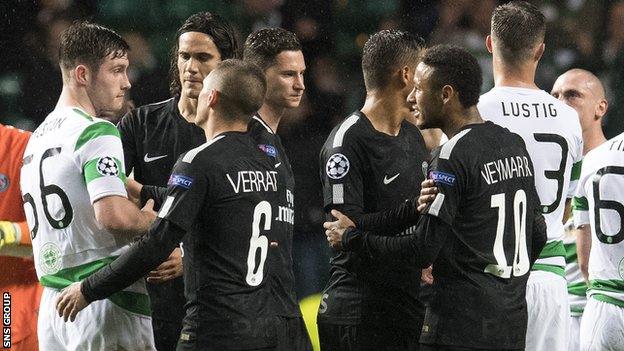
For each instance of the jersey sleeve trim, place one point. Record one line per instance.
(102, 167)
(436, 205)
(447, 148)
(342, 130)
(94, 131)
(576, 170)
(580, 204)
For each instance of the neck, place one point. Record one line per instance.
(187, 107)
(216, 125)
(74, 97)
(522, 76)
(383, 111)
(459, 119)
(593, 138)
(272, 115)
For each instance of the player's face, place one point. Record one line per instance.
(197, 56)
(285, 80)
(573, 90)
(109, 86)
(426, 102)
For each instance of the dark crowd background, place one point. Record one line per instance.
(581, 33)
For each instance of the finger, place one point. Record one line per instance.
(65, 313)
(328, 225)
(421, 208)
(337, 214)
(427, 183)
(60, 305)
(73, 314)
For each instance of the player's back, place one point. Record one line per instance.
(488, 197)
(229, 300)
(552, 134)
(72, 160)
(601, 189)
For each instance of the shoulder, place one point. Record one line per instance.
(143, 113)
(94, 129)
(350, 129)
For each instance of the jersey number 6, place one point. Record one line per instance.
(258, 242)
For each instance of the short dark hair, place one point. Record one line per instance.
(456, 67)
(517, 27)
(262, 46)
(386, 51)
(89, 44)
(213, 25)
(242, 87)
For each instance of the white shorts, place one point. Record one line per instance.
(548, 311)
(100, 326)
(602, 327)
(575, 333)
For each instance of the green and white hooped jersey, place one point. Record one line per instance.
(71, 160)
(599, 202)
(577, 288)
(552, 133)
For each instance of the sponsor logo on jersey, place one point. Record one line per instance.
(441, 177)
(387, 180)
(50, 258)
(180, 180)
(4, 182)
(337, 166)
(268, 149)
(147, 158)
(107, 166)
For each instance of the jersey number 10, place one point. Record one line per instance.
(521, 264)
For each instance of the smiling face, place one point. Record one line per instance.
(426, 101)
(109, 85)
(197, 57)
(285, 84)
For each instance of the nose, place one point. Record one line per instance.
(299, 84)
(125, 84)
(192, 65)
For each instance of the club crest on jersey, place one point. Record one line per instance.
(181, 181)
(441, 177)
(268, 149)
(4, 182)
(107, 166)
(337, 166)
(49, 258)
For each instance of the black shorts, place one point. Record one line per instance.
(292, 335)
(363, 337)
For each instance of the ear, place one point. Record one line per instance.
(406, 75)
(447, 93)
(213, 98)
(539, 52)
(488, 43)
(601, 109)
(82, 74)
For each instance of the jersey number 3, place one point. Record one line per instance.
(520, 265)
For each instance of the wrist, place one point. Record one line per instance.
(351, 239)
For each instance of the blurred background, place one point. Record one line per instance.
(581, 33)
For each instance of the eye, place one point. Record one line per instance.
(185, 56)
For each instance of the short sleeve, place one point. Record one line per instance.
(341, 176)
(186, 192)
(577, 162)
(580, 206)
(99, 154)
(450, 182)
(126, 127)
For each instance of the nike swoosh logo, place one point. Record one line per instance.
(150, 159)
(277, 164)
(389, 180)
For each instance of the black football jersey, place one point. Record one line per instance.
(221, 202)
(153, 138)
(225, 194)
(487, 196)
(365, 171)
(282, 278)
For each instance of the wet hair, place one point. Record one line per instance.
(263, 46)
(89, 44)
(242, 87)
(516, 28)
(221, 33)
(456, 67)
(386, 51)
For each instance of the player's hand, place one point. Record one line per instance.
(148, 210)
(70, 302)
(171, 268)
(8, 234)
(134, 191)
(428, 193)
(335, 230)
(427, 275)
